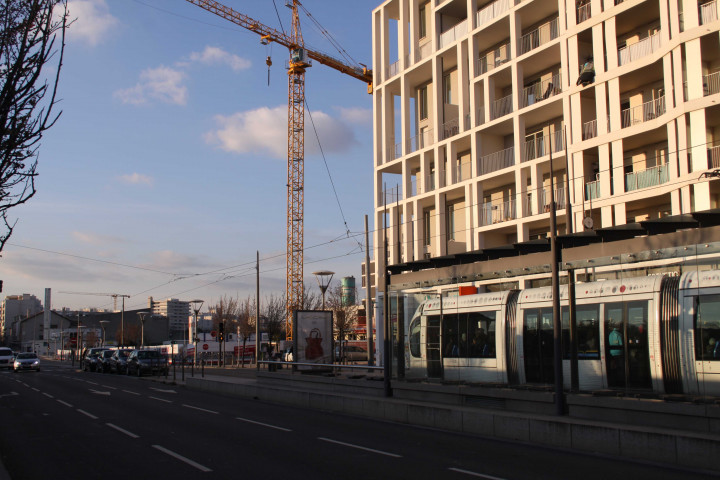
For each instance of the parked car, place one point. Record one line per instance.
(26, 361)
(102, 364)
(118, 361)
(89, 359)
(6, 358)
(147, 361)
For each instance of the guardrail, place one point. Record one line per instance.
(643, 113)
(491, 11)
(496, 161)
(501, 107)
(640, 49)
(540, 36)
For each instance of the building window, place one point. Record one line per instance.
(426, 228)
(423, 102)
(423, 20)
(450, 214)
(447, 89)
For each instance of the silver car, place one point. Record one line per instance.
(27, 361)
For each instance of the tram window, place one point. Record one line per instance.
(415, 338)
(587, 331)
(454, 334)
(481, 334)
(707, 327)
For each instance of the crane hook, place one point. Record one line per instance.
(268, 62)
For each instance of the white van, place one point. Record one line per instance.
(6, 358)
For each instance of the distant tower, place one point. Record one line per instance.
(348, 291)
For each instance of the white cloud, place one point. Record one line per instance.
(95, 239)
(136, 179)
(93, 21)
(162, 83)
(264, 131)
(218, 56)
(356, 115)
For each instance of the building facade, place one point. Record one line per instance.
(14, 308)
(176, 311)
(481, 118)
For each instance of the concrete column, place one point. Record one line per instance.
(610, 45)
(469, 217)
(613, 89)
(570, 17)
(405, 94)
(403, 47)
(665, 28)
(618, 180)
(698, 140)
(679, 92)
(464, 77)
(674, 15)
(598, 40)
(417, 232)
(440, 246)
(384, 44)
(691, 19)
(694, 69)
(575, 129)
(601, 111)
(571, 68)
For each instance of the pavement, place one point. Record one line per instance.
(679, 433)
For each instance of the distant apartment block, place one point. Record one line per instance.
(14, 308)
(479, 118)
(176, 311)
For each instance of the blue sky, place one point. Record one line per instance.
(169, 160)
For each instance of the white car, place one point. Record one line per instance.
(27, 361)
(6, 358)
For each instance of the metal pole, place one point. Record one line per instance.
(195, 335)
(122, 323)
(257, 312)
(368, 300)
(557, 325)
(386, 314)
(574, 375)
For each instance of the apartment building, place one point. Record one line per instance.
(15, 308)
(176, 311)
(480, 118)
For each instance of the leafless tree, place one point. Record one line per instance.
(274, 313)
(312, 299)
(344, 312)
(246, 323)
(226, 311)
(29, 31)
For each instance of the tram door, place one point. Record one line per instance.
(538, 345)
(627, 352)
(432, 347)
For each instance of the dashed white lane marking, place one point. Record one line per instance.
(108, 386)
(48, 395)
(201, 409)
(160, 399)
(133, 393)
(359, 447)
(91, 383)
(474, 474)
(36, 389)
(202, 468)
(263, 424)
(122, 430)
(88, 414)
(64, 403)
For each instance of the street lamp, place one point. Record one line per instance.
(323, 278)
(102, 324)
(142, 316)
(197, 305)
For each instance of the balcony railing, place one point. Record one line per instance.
(650, 177)
(713, 154)
(711, 84)
(420, 141)
(540, 146)
(491, 213)
(463, 171)
(643, 113)
(638, 50)
(454, 34)
(429, 183)
(496, 161)
(423, 51)
(480, 116)
(391, 195)
(394, 69)
(708, 12)
(589, 130)
(592, 190)
(394, 151)
(501, 107)
(492, 11)
(492, 60)
(540, 91)
(449, 129)
(540, 36)
(583, 12)
(559, 199)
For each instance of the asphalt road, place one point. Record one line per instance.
(61, 423)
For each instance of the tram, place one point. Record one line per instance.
(658, 333)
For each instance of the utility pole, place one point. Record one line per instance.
(368, 300)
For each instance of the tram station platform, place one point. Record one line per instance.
(680, 431)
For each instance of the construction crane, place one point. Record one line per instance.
(299, 61)
(114, 296)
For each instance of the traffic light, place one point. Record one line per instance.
(221, 331)
(221, 336)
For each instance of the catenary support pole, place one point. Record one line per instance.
(557, 325)
(368, 300)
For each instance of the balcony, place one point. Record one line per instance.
(501, 107)
(639, 49)
(589, 130)
(492, 60)
(713, 154)
(480, 116)
(643, 113)
(391, 195)
(393, 69)
(422, 140)
(708, 12)
(492, 213)
(463, 172)
(454, 34)
(540, 146)
(423, 51)
(559, 199)
(429, 183)
(491, 12)
(583, 12)
(449, 129)
(394, 151)
(711, 84)
(592, 190)
(538, 37)
(496, 161)
(540, 91)
(650, 177)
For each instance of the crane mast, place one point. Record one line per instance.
(299, 61)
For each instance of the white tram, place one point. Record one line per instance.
(658, 333)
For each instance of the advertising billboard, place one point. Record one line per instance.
(313, 336)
